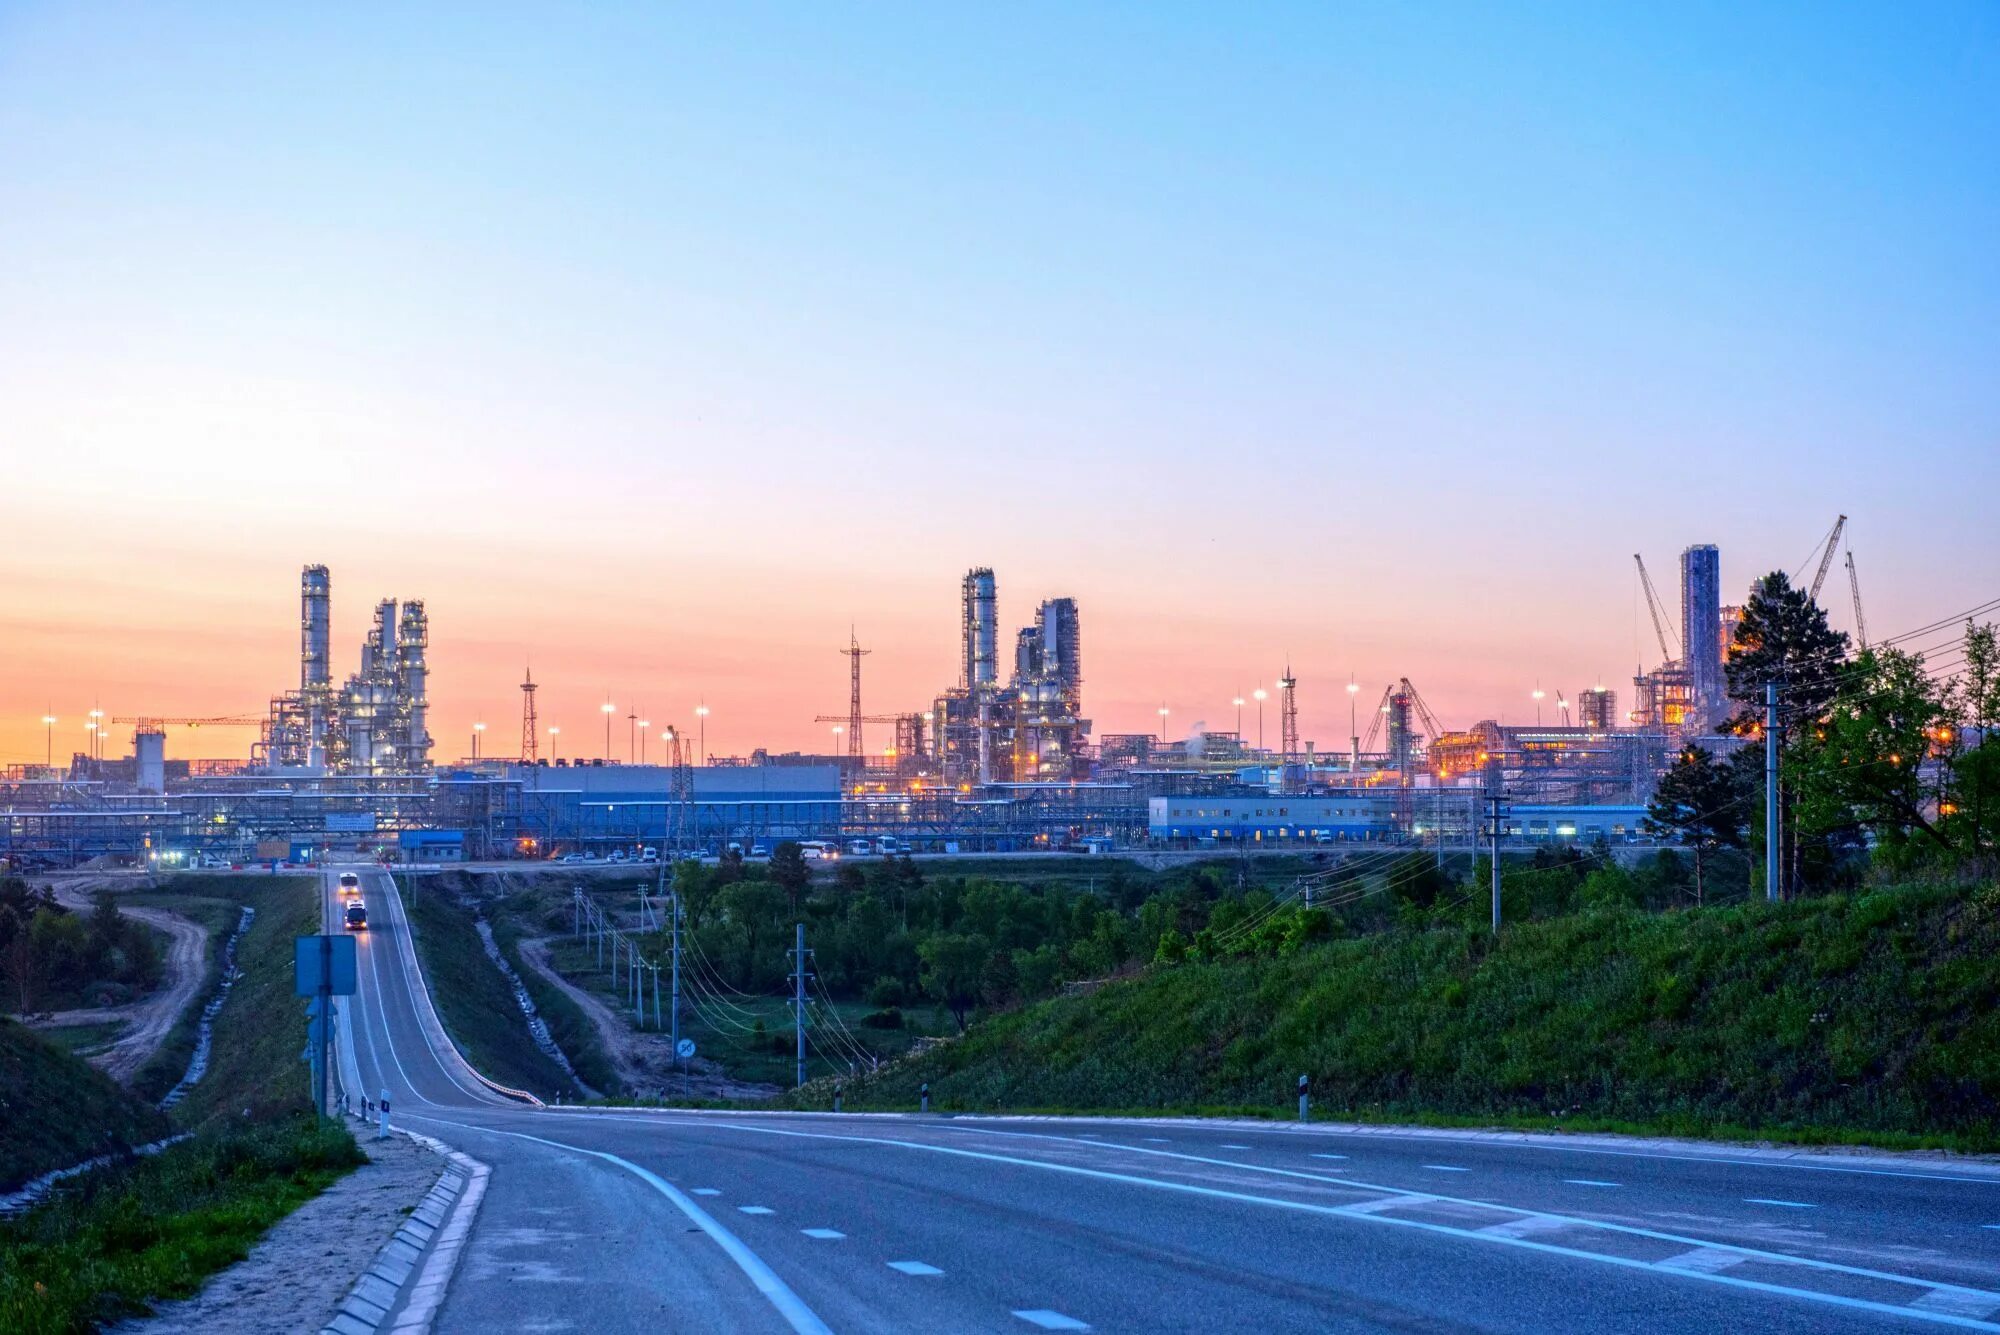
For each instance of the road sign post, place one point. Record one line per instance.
(1305, 1098)
(323, 967)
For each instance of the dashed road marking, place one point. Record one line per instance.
(1156, 1140)
(754, 1209)
(1446, 1168)
(1973, 1303)
(1788, 1205)
(1047, 1320)
(1329, 1156)
(706, 1191)
(1232, 1147)
(1706, 1260)
(824, 1234)
(1588, 1182)
(915, 1268)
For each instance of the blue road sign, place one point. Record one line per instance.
(315, 967)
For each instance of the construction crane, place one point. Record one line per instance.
(1661, 624)
(145, 720)
(1431, 728)
(1854, 587)
(1826, 557)
(1381, 712)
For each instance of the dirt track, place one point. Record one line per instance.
(645, 1061)
(150, 1019)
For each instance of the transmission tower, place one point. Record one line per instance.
(854, 651)
(530, 732)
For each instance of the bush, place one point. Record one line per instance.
(889, 1017)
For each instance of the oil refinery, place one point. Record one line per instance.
(998, 760)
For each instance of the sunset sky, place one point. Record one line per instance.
(658, 345)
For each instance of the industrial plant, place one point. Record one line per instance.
(996, 761)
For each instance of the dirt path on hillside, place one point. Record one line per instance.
(150, 1019)
(645, 1061)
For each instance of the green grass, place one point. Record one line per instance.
(1868, 1019)
(254, 1069)
(57, 1110)
(473, 999)
(80, 1040)
(215, 903)
(568, 1025)
(156, 1227)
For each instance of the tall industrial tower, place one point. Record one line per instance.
(530, 730)
(1288, 725)
(980, 630)
(854, 653)
(1701, 627)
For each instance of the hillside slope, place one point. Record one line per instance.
(57, 1110)
(1874, 1015)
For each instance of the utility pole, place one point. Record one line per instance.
(677, 991)
(1493, 831)
(1773, 862)
(799, 999)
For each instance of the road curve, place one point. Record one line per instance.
(626, 1220)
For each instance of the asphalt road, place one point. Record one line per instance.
(628, 1220)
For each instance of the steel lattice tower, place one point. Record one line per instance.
(1288, 721)
(530, 731)
(854, 651)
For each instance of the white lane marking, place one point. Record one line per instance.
(1588, 1182)
(1232, 1147)
(1525, 1226)
(754, 1209)
(1446, 1168)
(1709, 1259)
(1156, 1140)
(422, 1008)
(791, 1307)
(824, 1234)
(706, 1191)
(1326, 1156)
(1973, 1303)
(1789, 1205)
(1047, 1320)
(1386, 1203)
(1348, 1211)
(915, 1268)
(1995, 1227)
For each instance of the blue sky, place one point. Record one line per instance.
(1379, 336)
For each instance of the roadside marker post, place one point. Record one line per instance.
(838, 1090)
(924, 1093)
(1305, 1098)
(382, 1127)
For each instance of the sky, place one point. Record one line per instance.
(658, 345)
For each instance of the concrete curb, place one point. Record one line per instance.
(440, 1225)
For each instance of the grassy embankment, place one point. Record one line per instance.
(57, 1110)
(216, 903)
(1874, 1018)
(122, 1237)
(472, 997)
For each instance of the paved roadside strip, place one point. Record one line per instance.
(403, 1287)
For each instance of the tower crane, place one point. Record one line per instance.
(1826, 557)
(1854, 587)
(144, 720)
(1660, 622)
(1429, 720)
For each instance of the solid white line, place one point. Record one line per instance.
(915, 1268)
(790, 1306)
(1047, 1320)
(1349, 1212)
(1789, 1205)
